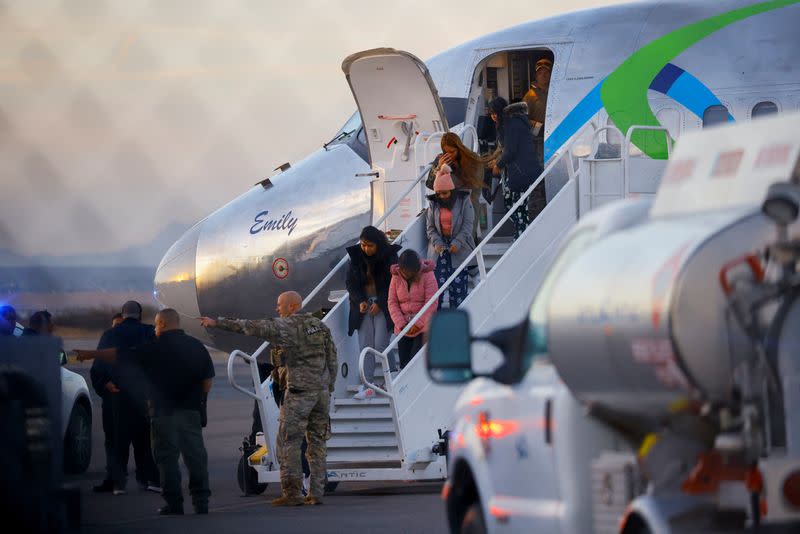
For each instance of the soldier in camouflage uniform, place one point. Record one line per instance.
(309, 357)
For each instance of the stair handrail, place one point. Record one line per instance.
(384, 359)
(425, 170)
(425, 144)
(469, 128)
(477, 250)
(595, 144)
(258, 385)
(626, 158)
(596, 138)
(344, 259)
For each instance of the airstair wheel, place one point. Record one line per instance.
(247, 477)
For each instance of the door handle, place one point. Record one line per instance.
(548, 421)
(374, 173)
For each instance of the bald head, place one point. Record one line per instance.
(167, 319)
(289, 303)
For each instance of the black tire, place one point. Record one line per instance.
(473, 522)
(78, 441)
(247, 477)
(330, 487)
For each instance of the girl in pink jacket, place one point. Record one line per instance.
(413, 284)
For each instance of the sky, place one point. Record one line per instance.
(119, 118)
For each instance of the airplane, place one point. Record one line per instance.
(626, 81)
(680, 65)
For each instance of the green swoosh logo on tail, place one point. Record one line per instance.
(624, 92)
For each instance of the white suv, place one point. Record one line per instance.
(76, 417)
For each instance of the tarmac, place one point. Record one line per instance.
(354, 508)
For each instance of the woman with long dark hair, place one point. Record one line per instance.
(368, 279)
(466, 168)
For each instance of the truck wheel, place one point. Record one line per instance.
(247, 477)
(330, 487)
(473, 522)
(78, 441)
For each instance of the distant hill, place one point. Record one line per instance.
(147, 255)
(127, 270)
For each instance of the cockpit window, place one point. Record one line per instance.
(350, 127)
(455, 109)
(537, 318)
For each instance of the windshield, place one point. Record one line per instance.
(537, 318)
(349, 128)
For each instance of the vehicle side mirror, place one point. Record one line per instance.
(62, 358)
(449, 354)
(782, 203)
(510, 341)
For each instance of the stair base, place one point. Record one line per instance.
(360, 472)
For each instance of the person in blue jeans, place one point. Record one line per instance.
(368, 279)
(449, 223)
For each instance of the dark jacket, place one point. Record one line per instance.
(128, 377)
(519, 157)
(175, 365)
(357, 282)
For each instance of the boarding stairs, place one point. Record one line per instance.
(395, 435)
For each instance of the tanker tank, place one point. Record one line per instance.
(638, 323)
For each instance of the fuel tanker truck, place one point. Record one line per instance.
(654, 386)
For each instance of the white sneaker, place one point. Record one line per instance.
(364, 393)
(119, 491)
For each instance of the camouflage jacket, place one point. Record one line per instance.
(536, 98)
(308, 355)
(278, 369)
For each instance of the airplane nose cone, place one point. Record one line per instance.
(175, 285)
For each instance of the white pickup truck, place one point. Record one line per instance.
(651, 387)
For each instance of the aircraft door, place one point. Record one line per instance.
(403, 119)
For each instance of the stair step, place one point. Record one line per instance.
(379, 464)
(365, 426)
(355, 441)
(495, 249)
(362, 412)
(354, 388)
(363, 455)
(377, 400)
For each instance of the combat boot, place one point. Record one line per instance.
(311, 500)
(290, 494)
(286, 500)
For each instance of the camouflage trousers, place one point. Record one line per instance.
(306, 414)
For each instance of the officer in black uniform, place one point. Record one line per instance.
(123, 388)
(179, 370)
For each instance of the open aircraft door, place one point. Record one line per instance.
(403, 121)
